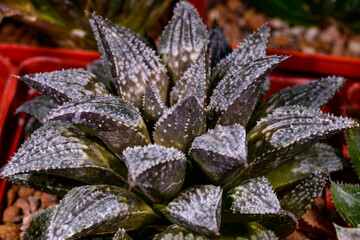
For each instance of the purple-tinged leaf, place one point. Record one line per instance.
(158, 171)
(117, 122)
(99, 69)
(236, 95)
(180, 124)
(154, 107)
(65, 85)
(183, 39)
(347, 202)
(254, 200)
(311, 95)
(220, 152)
(219, 47)
(301, 166)
(300, 199)
(179, 233)
(38, 107)
(60, 149)
(91, 210)
(253, 47)
(132, 63)
(194, 82)
(197, 209)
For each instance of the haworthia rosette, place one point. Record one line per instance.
(347, 202)
(236, 95)
(117, 122)
(180, 124)
(132, 63)
(182, 40)
(91, 210)
(60, 149)
(220, 152)
(319, 155)
(197, 209)
(65, 85)
(299, 200)
(253, 47)
(38, 107)
(158, 171)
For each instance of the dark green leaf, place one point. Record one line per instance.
(38, 227)
(286, 132)
(117, 122)
(353, 144)
(347, 202)
(60, 149)
(220, 152)
(47, 183)
(91, 210)
(344, 233)
(198, 209)
(300, 199)
(38, 107)
(254, 200)
(253, 47)
(182, 40)
(154, 106)
(179, 233)
(311, 95)
(194, 82)
(158, 171)
(219, 47)
(180, 124)
(132, 63)
(236, 95)
(319, 155)
(65, 85)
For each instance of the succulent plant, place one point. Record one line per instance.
(148, 146)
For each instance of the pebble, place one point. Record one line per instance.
(25, 192)
(9, 231)
(11, 214)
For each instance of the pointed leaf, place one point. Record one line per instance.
(180, 125)
(319, 155)
(353, 144)
(117, 122)
(194, 82)
(311, 95)
(235, 96)
(91, 210)
(286, 132)
(38, 107)
(37, 229)
(179, 233)
(65, 85)
(344, 233)
(62, 150)
(219, 47)
(254, 200)
(154, 107)
(347, 202)
(183, 39)
(158, 171)
(131, 61)
(46, 183)
(198, 209)
(253, 47)
(220, 152)
(299, 200)
(99, 69)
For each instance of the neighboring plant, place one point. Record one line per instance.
(66, 22)
(158, 147)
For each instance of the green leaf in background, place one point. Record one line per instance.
(347, 202)
(353, 144)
